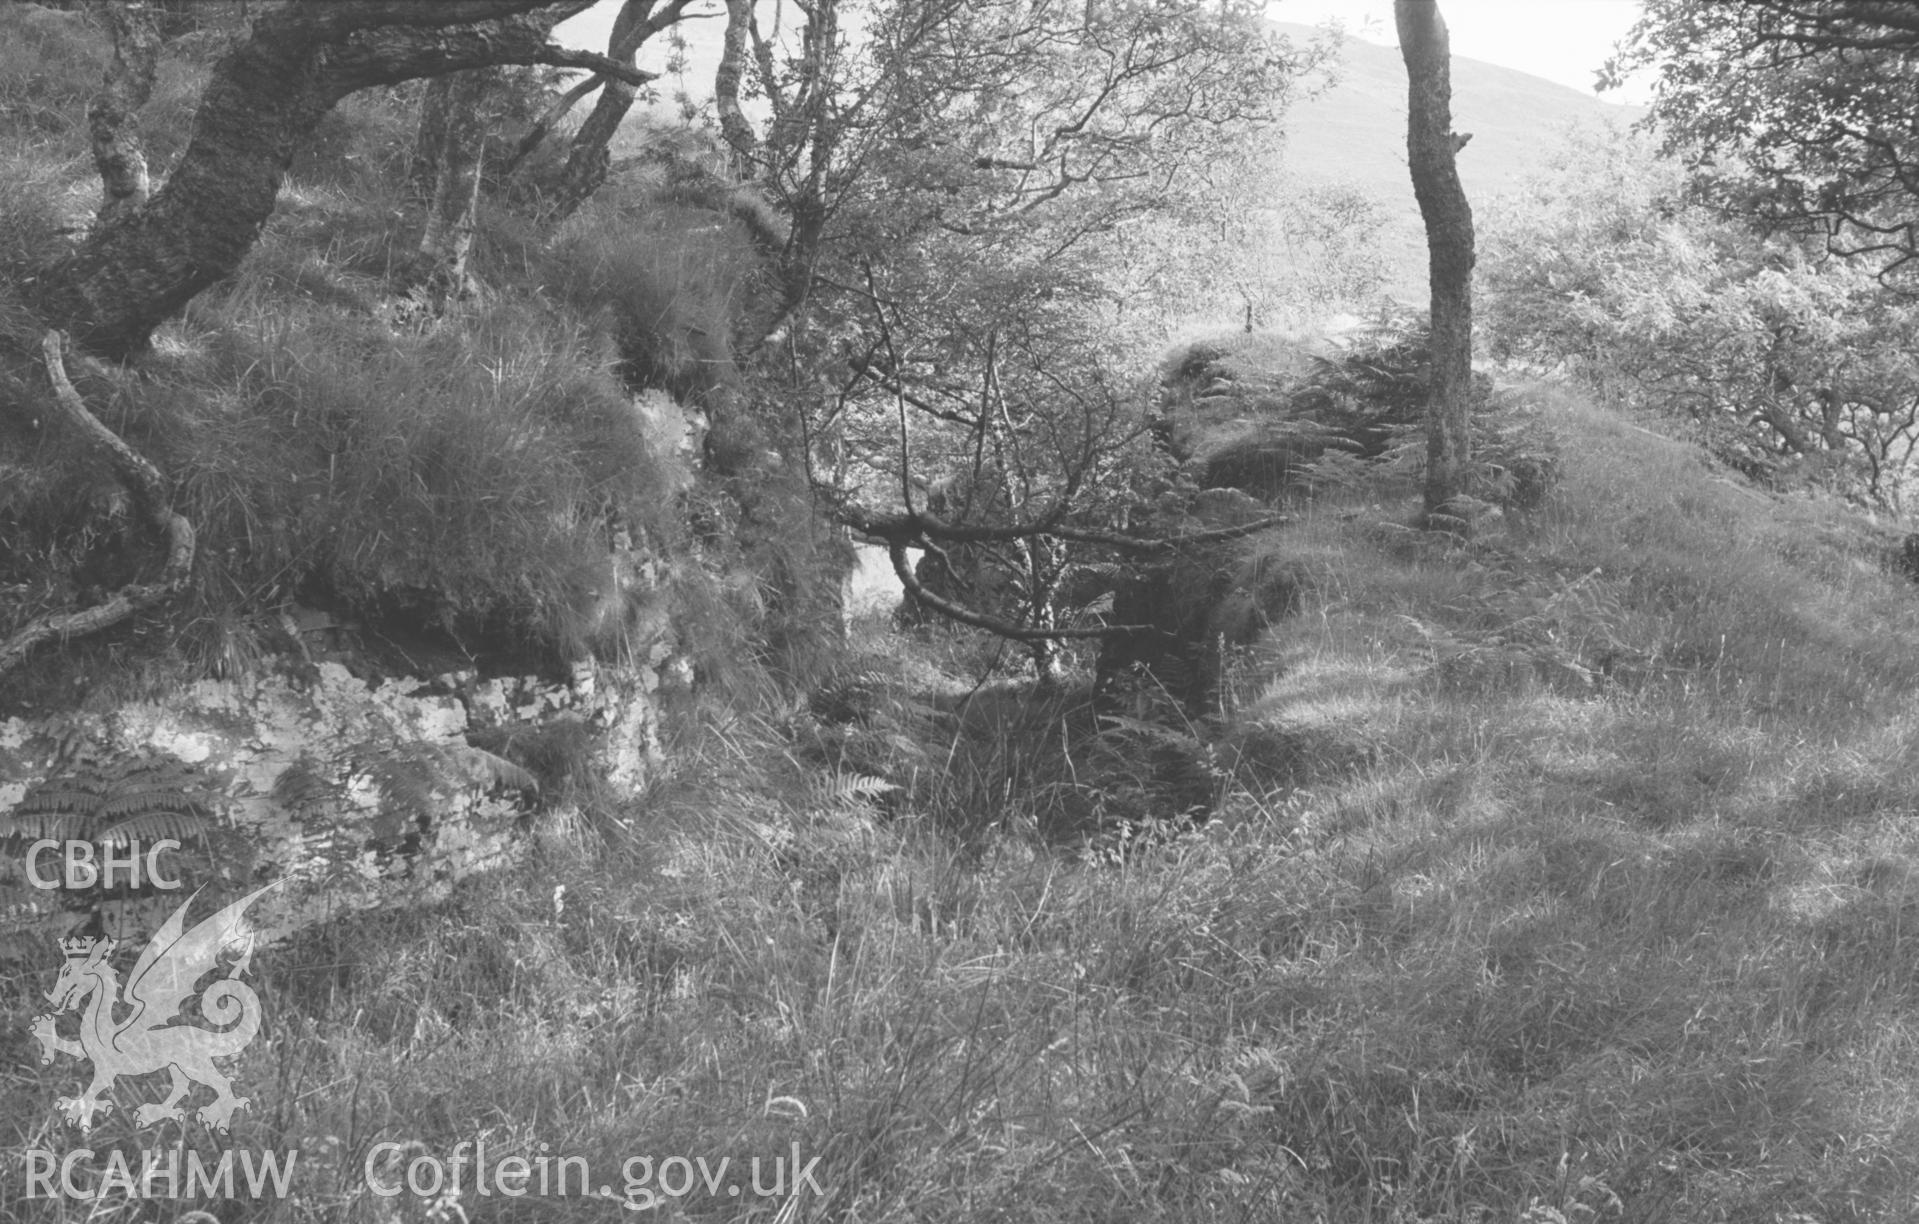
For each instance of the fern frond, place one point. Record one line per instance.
(125, 804)
(79, 800)
(153, 826)
(842, 789)
(22, 827)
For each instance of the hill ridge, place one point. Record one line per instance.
(1355, 132)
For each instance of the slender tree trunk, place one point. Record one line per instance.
(429, 138)
(455, 112)
(543, 126)
(1042, 580)
(113, 117)
(260, 106)
(1431, 148)
(734, 126)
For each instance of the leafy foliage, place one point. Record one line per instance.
(1795, 367)
(127, 799)
(1800, 115)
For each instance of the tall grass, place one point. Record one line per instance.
(473, 476)
(1536, 911)
(1562, 873)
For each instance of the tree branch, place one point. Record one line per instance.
(260, 106)
(603, 65)
(149, 492)
(916, 527)
(980, 620)
(328, 19)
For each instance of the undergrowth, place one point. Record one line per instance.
(468, 476)
(1561, 872)
(1562, 875)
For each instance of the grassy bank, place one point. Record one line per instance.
(1573, 885)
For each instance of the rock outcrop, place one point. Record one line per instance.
(359, 793)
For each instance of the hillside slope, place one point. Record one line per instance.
(1563, 874)
(1356, 132)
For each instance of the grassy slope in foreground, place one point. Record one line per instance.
(1608, 911)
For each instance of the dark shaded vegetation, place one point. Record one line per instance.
(469, 478)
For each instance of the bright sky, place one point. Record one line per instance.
(1561, 40)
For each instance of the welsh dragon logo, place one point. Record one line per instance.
(146, 1039)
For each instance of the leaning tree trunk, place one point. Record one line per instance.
(261, 105)
(588, 161)
(1431, 148)
(588, 158)
(735, 129)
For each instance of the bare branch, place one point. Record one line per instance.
(149, 491)
(980, 620)
(915, 528)
(336, 18)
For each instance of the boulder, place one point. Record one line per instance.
(357, 793)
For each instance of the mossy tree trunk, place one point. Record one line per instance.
(262, 103)
(429, 138)
(1431, 149)
(113, 117)
(447, 160)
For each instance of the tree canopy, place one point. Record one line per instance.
(1798, 115)
(971, 199)
(959, 211)
(1793, 366)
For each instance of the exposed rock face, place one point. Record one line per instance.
(358, 793)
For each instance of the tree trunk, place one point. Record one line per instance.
(588, 158)
(543, 126)
(113, 117)
(455, 113)
(632, 26)
(1431, 148)
(734, 126)
(261, 104)
(1042, 583)
(429, 138)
